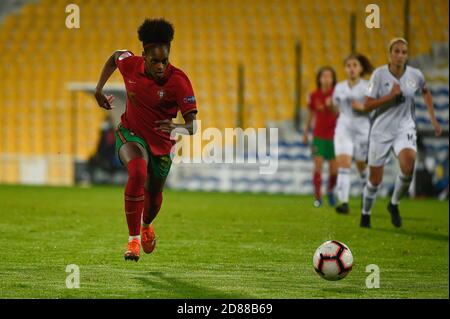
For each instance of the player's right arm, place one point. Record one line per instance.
(392, 98)
(373, 99)
(308, 122)
(110, 66)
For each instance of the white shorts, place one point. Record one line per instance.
(379, 148)
(349, 142)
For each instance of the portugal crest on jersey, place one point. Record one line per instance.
(161, 93)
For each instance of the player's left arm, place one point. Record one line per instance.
(428, 99)
(188, 107)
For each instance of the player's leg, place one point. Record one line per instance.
(317, 180)
(344, 162)
(406, 159)
(135, 158)
(158, 171)
(360, 155)
(370, 193)
(361, 166)
(343, 148)
(318, 158)
(152, 205)
(329, 155)
(377, 156)
(405, 150)
(153, 199)
(332, 178)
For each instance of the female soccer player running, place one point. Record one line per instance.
(321, 108)
(156, 90)
(351, 137)
(391, 95)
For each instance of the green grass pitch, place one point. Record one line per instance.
(213, 245)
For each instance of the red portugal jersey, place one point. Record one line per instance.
(149, 101)
(325, 117)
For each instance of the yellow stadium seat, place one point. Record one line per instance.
(211, 39)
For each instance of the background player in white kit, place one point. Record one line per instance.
(391, 95)
(351, 137)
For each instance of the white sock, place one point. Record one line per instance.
(369, 195)
(343, 184)
(363, 178)
(401, 187)
(130, 238)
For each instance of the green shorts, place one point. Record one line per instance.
(158, 166)
(323, 148)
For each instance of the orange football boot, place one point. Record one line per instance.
(148, 239)
(133, 250)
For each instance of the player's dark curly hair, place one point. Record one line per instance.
(319, 74)
(366, 65)
(156, 31)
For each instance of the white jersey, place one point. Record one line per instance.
(343, 96)
(388, 122)
(352, 129)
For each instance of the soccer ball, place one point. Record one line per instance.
(333, 260)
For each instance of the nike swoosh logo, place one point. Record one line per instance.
(131, 82)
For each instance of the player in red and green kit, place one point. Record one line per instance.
(321, 109)
(156, 91)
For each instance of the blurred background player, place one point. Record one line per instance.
(391, 94)
(104, 159)
(320, 109)
(156, 90)
(351, 137)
